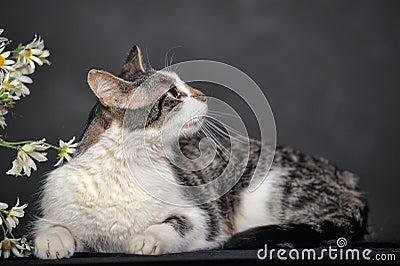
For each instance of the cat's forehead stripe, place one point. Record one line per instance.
(178, 82)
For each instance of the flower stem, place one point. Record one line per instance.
(2, 227)
(6, 231)
(6, 145)
(13, 145)
(52, 146)
(17, 144)
(12, 235)
(16, 51)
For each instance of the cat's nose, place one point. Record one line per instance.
(198, 95)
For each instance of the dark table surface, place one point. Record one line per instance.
(229, 257)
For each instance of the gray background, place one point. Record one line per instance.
(330, 70)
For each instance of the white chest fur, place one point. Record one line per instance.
(98, 198)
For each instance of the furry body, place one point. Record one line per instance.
(93, 203)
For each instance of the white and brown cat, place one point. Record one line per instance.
(93, 203)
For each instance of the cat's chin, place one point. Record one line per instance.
(168, 136)
(185, 132)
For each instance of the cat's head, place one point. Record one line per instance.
(151, 102)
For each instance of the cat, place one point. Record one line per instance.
(91, 203)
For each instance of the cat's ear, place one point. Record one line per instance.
(133, 64)
(110, 90)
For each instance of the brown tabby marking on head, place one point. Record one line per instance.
(100, 119)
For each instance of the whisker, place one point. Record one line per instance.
(219, 131)
(213, 123)
(221, 113)
(222, 133)
(165, 58)
(211, 140)
(170, 61)
(214, 138)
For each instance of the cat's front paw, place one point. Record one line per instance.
(56, 243)
(146, 243)
(156, 239)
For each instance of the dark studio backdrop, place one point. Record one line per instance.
(330, 70)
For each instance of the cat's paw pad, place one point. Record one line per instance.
(146, 244)
(54, 245)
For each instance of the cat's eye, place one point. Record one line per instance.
(174, 92)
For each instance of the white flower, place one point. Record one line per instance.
(9, 245)
(7, 82)
(24, 161)
(67, 148)
(2, 39)
(4, 62)
(13, 215)
(23, 69)
(19, 88)
(3, 112)
(20, 75)
(33, 53)
(3, 206)
(13, 84)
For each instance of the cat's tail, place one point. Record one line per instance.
(294, 236)
(353, 228)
